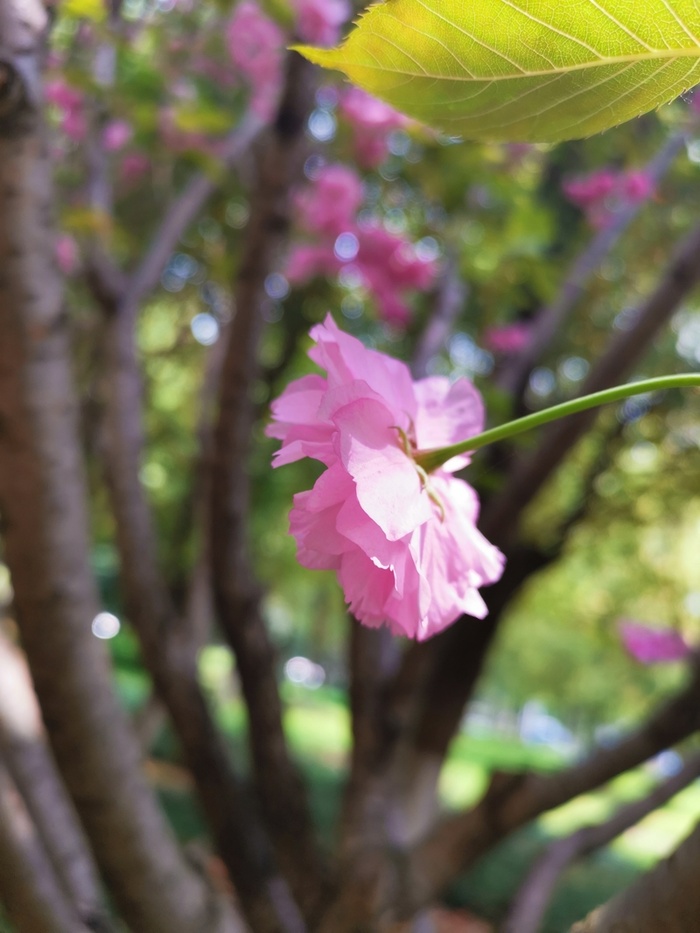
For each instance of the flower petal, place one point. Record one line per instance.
(346, 358)
(388, 485)
(447, 413)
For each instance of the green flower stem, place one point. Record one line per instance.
(432, 459)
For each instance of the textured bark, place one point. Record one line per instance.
(237, 596)
(665, 900)
(32, 770)
(531, 901)
(29, 889)
(43, 506)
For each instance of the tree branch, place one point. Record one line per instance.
(623, 352)
(366, 810)
(513, 800)
(552, 318)
(451, 298)
(169, 651)
(29, 890)
(236, 593)
(664, 900)
(43, 504)
(166, 642)
(455, 658)
(184, 210)
(531, 901)
(31, 768)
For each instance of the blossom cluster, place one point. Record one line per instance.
(404, 544)
(361, 248)
(652, 645)
(70, 103)
(507, 339)
(372, 122)
(602, 192)
(256, 43)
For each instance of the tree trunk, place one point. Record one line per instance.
(43, 507)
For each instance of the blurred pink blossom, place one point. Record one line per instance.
(404, 544)
(585, 190)
(599, 193)
(134, 166)
(320, 21)
(255, 44)
(62, 95)
(637, 186)
(384, 263)
(331, 203)
(70, 102)
(116, 135)
(510, 338)
(652, 645)
(372, 121)
(66, 253)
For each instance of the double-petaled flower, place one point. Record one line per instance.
(404, 543)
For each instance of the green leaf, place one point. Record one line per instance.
(530, 70)
(85, 9)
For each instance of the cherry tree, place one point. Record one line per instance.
(184, 199)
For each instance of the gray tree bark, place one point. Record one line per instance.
(44, 517)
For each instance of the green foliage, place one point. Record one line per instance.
(534, 70)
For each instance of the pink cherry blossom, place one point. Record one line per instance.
(589, 189)
(62, 95)
(404, 545)
(601, 192)
(255, 44)
(70, 102)
(372, 121)
(384, 263)
(134, 166)
(331, 203)
(116, 135)
(66, 253)
(320, 21)
(652, 645)
(637, 186)
(507, 339)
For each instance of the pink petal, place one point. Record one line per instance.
(447, 413)
(388, 485)
(345, 359)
